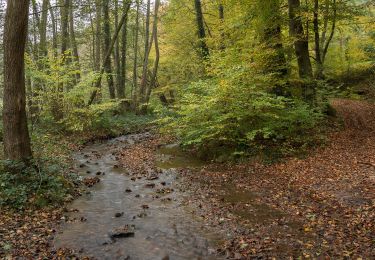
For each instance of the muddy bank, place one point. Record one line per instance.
(135, 211)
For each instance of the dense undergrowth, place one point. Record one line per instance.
(48, 179)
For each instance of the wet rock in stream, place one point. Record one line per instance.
(123, 232)
(119, 214)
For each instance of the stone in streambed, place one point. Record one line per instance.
(123, 232)
(119, 214)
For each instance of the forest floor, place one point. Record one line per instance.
(319, 206)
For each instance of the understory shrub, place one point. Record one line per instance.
(40, 185)
(236, 112)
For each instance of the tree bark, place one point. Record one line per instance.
(157, 53)
(318, 58)
(43, 28)
(73, 41)
(325, 50)
(98, 7)
(54, 30)
(142, 89)
(106, 58)
(301, 44)
(64, 12)
(135, 64)
(106, 46)
(16, 134)
(119, 87)
(201, 31)
(221, 18)
(124, 42)
(270, 18)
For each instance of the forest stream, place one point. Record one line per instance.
(123, 217)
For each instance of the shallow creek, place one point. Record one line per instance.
(153, 208)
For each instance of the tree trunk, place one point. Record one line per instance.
(64, 11)
(325, 50)
(54, 30)
(135, 65)
(157, 53)
(119, 87)
(98, 7)
(105, 60)
(73, 41)
(124, 42)
(221, 18)
(143, 86)
(43, 28)
(318, 58)
(301, 44)
(201, 31)
(16, 134)
(270, 18)
(106, 46)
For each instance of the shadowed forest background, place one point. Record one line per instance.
(282, 87)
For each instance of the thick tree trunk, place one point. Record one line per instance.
(64, 12)
(201, 31)
(270, 18)
(106, 46)
(301, 44)
(16, 134)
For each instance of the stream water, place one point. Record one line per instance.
(153, 208)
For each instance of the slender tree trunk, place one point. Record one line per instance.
(201, 31)
(157, 53)
(325, 23)
(135, 65)
(105, 60)
(124, 42)
(16, 134)
(73, 41)
(301, 44)
(326, 46)
(318, 58)
(93, 36)
(221, 18)
(54, 30)
(119, 87)
(106, 46)
(98, 6)
(143, 86)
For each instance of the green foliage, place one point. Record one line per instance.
(89, 118)
(32, 186)
(237, 109)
